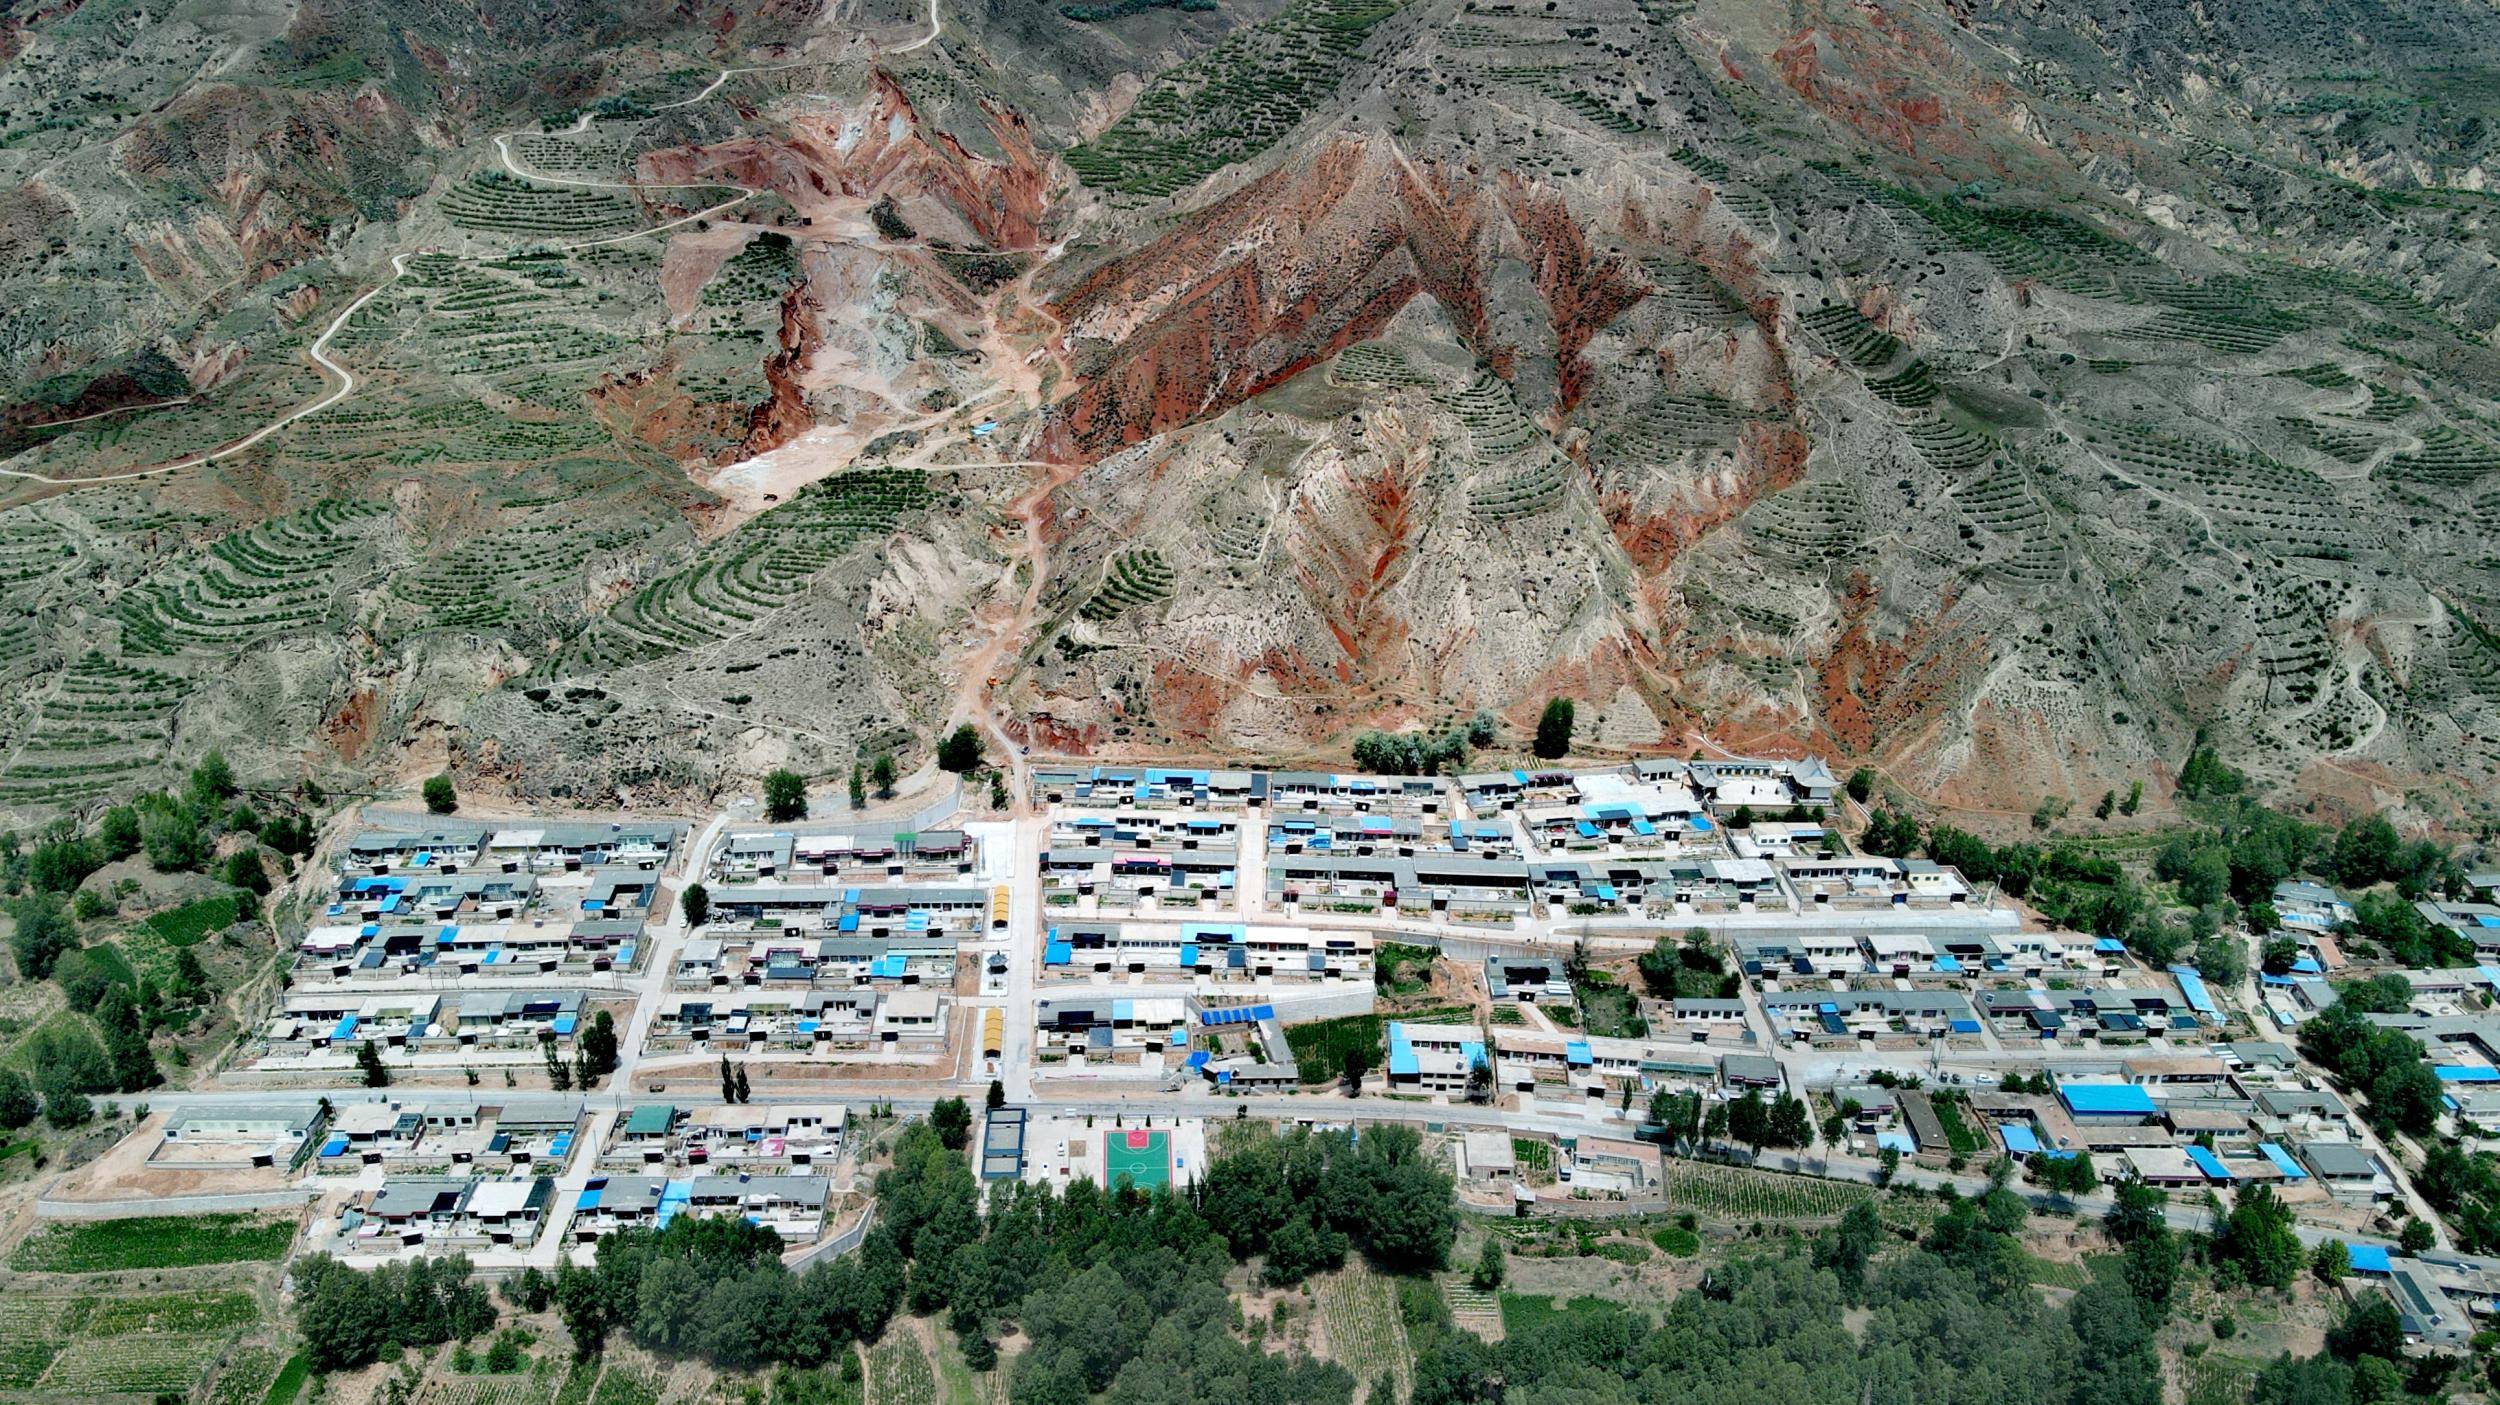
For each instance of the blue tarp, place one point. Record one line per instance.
(1189, 954)
(2207, 1162)
(2308, 966)
(2108, 945)
(1057, 954)
(346, 1026)
(335, 1146)
(888, 968)
(1965, 1026)
(2368, 1258)
(2292, 1170)
(1949, 965)
(1576, 1053)
(565, 1023)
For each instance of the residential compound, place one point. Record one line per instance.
(537, 897)
(1155, 937)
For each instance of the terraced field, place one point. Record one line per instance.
(1232, 102)
(767, 564)
(1133, 580)
(272, 579)
(1532, 476)
(99, 724)
(1373, 363)
(763, 269)
(498, 202)
(2448, 458)
(1999, 507)
(2264, 502)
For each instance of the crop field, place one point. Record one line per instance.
(1359, 1312)
(1320, 1046)
(513, 1388)
(1742, 1193)
(190, 923)
(86, 1348)
(1949, 445)
(1568, 87)
(1854, 339)
(1231, 102)
(2213, 1379)
(163, 1241)
(1999, 507)
(494, 580)
(1521, 1311)
(1692, 292)
(2353, 446)
(624, 1385)
(2052, 1273)
(899, 1373)
(248, 1377)
(597, 155)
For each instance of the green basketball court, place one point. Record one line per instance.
(1145, 1157)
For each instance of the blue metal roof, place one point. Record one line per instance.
(1577, 1052)
(2283, 1162)
(2207, 1162)
(1057, 954)
(2106, 1099)
(1402, 1062)
(2466, 1073)
(2192, 985)
(2368, 1258)
(2018, 1138)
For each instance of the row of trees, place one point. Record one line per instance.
(1445, 752)
(1115, 1290)
(2223, 870)
(1418, 754)
(1688, 1122)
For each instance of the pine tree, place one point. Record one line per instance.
(369, 1062)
